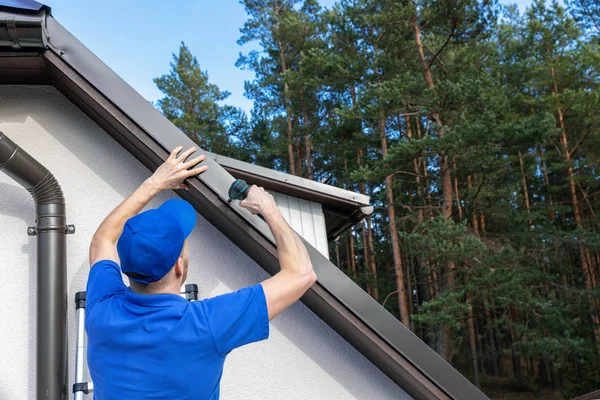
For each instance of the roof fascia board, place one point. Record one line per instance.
(288, 179)
(248, 230)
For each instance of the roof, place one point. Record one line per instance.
(23, 6)
(55, 57)
(342, 208)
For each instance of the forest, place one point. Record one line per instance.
(475, 130)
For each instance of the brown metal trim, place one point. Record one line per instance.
(331, 205)
(23, 69)
(293, 190)
(262, 250)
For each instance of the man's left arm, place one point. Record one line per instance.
(170, 175)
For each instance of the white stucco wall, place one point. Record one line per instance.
(303, 359)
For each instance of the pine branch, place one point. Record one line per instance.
(579, 143)
(442, 48)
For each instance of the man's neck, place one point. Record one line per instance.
(141, 288)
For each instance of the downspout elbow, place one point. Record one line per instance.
(30, 174)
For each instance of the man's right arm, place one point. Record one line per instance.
(297, 274)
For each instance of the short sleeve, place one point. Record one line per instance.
(104, 281)
(238, 318)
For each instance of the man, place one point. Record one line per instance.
(147, 342)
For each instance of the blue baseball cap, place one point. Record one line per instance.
(152, 241)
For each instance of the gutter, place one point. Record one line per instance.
(23, 32)
(51, 230)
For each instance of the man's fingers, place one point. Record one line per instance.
(253, 189)
(195, 171)
(186, 154)
(193, 162)
(174, 153)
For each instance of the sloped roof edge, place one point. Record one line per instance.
(292, 180)
(149, 136)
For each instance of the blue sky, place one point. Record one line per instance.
(137, 39)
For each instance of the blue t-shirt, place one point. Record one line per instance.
(161, 346)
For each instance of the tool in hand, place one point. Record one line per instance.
(239, 191)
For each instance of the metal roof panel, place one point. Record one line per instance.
(29, 6)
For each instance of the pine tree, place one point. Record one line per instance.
(192, 103)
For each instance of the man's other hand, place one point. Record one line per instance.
(172, 173)
(259, 201)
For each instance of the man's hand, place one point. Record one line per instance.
(259, 201)
(172, 173)
(169, 175)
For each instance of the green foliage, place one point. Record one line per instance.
(511, 103)
(192, 104)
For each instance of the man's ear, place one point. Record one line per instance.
(179, 267)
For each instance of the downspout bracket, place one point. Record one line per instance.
(68, 229)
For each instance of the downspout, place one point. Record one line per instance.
(51, 229)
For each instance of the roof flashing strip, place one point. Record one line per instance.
(292, 179)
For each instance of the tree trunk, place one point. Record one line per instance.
(567, 156)
(446, 203)
(470, 322)
(525, 190)
(479, 331)
(307, 149)
(472, 342)
(482, 221)
(286, 97)
(299, 159)
(442, 158)
(474, 220)
(547, 183)
(409, 291)
(370, 262)
(491, 342)
(458, 206)
(351, 261)
(397, 255)
(337, 254)
(288, 116)
(373, 262)
(367, 260)
(516, 360)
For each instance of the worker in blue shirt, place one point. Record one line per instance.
(147, 342)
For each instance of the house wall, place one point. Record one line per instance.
(306, 218)
(303, 359)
